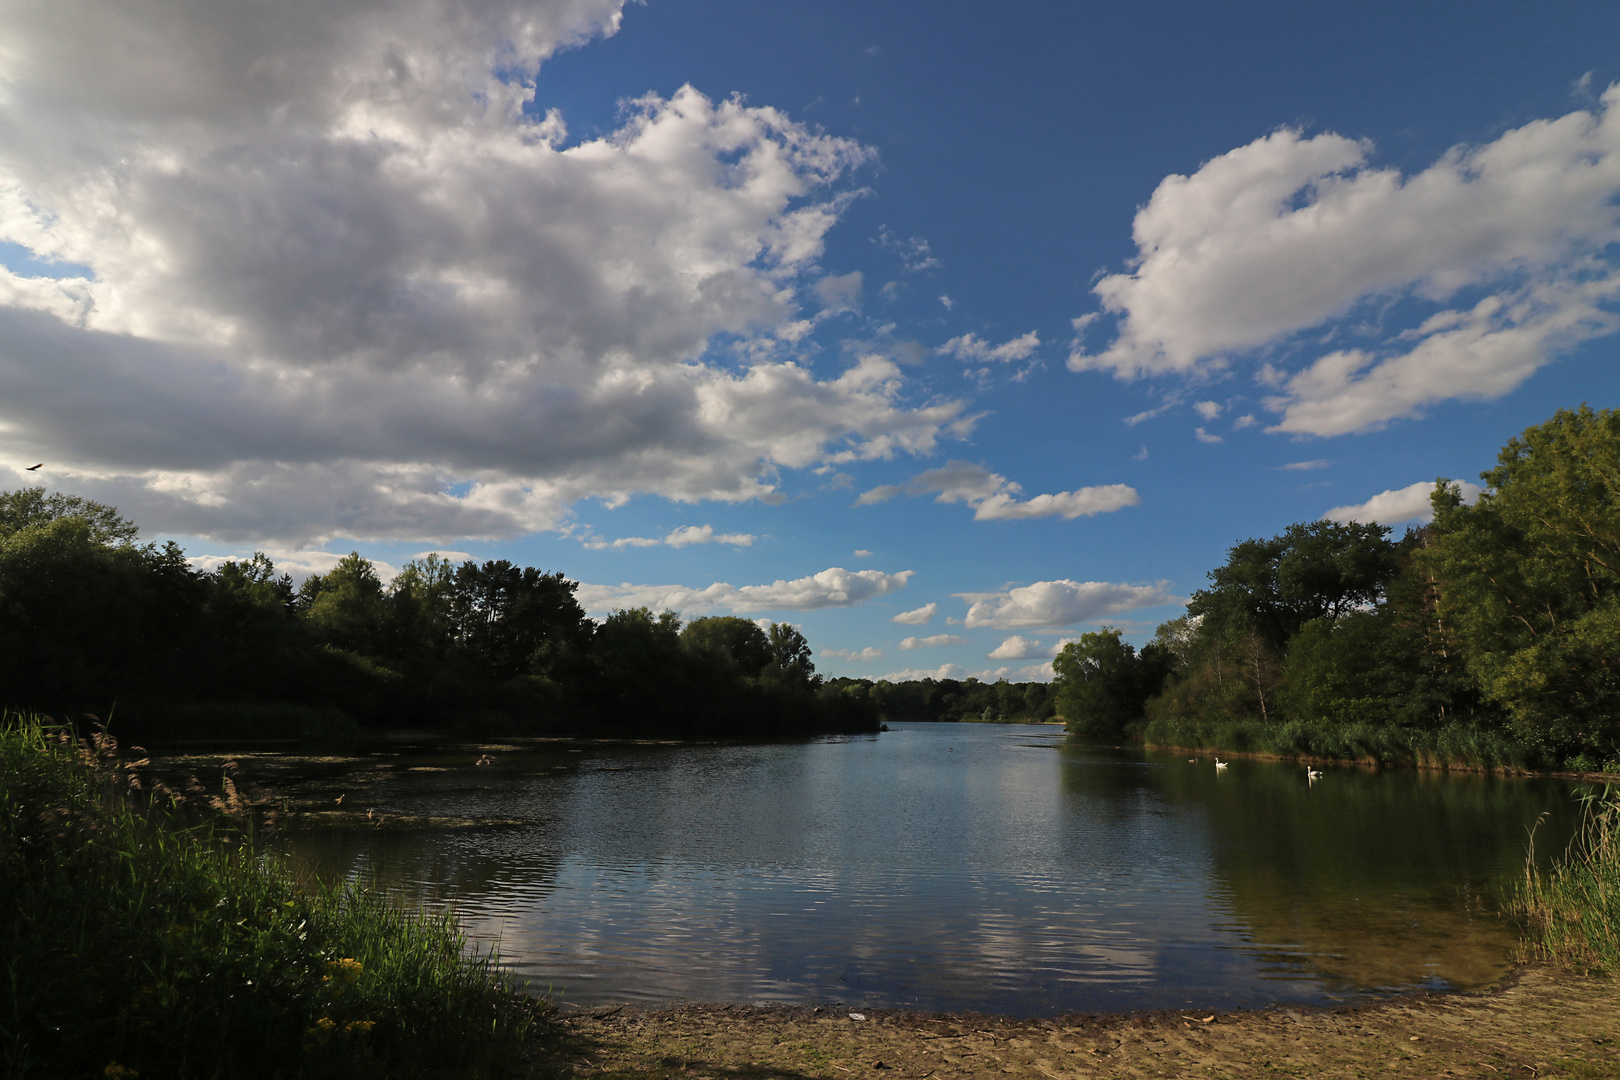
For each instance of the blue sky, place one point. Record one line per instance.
(1006, 323)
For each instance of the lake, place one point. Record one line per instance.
(997, 868)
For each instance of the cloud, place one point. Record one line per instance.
(835, 587)
(841, 292)
(862, 553)
(303, 564)
(914, 252)
(944, 671)
(970, 348)
(1399, 505)
(1058, 603)
(907, 644)
(1506, 245)
(342, 283)
(1209, 410)
(917, 616)
(685, 536)
(704, 534)
(1305, 466)
(993, 497)
(1018, 648)
(859, 656)
(1206, 437)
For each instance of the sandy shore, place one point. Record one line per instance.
(1542, 1023)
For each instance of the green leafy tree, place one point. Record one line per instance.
(255, 581)
(28, 507)
(345, 606)
(736, 642)
(1315, 570)
(1098, 687)
(1529, 582)
(511, 620)
(791, 664)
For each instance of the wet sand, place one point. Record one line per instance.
(1541, 1023)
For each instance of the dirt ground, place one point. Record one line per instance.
(1541, 1024)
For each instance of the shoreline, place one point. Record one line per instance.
(1539, 1019)
(1373, 764)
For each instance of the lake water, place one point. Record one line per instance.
(942, 867)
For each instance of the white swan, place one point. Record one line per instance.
(1312, 774)
(1219, 764)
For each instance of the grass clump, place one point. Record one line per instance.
(142, 936)
(1571, 912)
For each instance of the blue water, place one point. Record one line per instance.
(943, 867)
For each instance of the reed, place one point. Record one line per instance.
(143, 935)
(1571, 912)
(1455, 746)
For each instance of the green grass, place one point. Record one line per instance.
(1453, 746)
(140, 935)
(1571, 912)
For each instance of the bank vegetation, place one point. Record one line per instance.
(1488, 638)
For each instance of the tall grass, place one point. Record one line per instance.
(1571, 913)
(139, 937)
(1452, 746)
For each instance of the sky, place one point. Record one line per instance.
(946, 332)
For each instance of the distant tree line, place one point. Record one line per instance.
(1490, 636)
(93, 623)
(931, 700)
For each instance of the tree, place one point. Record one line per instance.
(513, 620)
(1529, 582)
(32, 506)
(1315, 570)
(1098, 688)
(791, 663)
(256, 582)
(736, 642)
(345, 606)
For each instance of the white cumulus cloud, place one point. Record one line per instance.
(685, 536)
(345, 280)
(906, 644)
(860, 656)
(1508, 245)
(994, 497)
(1018, 648)
(835, 587)
(917, 616)
(1398, 505)
(944, 671)
(970, 348)
(1058, 603)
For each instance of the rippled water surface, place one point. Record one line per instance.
(984, 867)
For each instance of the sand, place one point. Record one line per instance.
(1541, 1023)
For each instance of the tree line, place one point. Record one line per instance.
(94, 623)
(1488, 637)
(936, 700)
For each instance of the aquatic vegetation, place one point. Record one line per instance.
(143, 934)
(1454, 746)
(1571, 911)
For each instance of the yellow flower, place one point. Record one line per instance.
(344, 972)
(115, 1071)
(360, 1025)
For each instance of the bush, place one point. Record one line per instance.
(141, 935)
